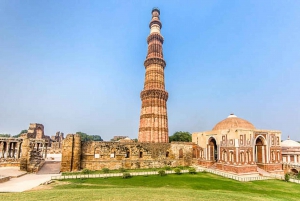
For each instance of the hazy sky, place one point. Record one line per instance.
(78, 65)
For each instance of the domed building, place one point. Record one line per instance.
(290, 151)
(235, 145)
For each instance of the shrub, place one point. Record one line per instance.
(192, 170)
(162, 173)
(177, 171)
(286, 177)
(298, 175)
(86, 171)
(167, 168)
(126, 175)
(105, 170)
(122, 169)
(180, 167)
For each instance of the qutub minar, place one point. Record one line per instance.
(154, 119)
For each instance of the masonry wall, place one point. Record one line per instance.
(129, 155)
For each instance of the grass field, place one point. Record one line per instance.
(201, 186)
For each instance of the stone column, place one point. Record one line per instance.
(255, 152)
(219, 153)
(43, 147)
(14, 149)
(237, 155)
(7, 150)
(263, 154)
(18, 150)
(267, 157)
(1, 149)
(289, 158)
(46, 144)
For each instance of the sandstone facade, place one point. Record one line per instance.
(235, 145)
(153, 118)
(129, 155)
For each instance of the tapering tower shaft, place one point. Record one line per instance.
(154, 119)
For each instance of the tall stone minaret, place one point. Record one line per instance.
(154, 119)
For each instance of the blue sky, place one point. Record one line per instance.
(78, 65)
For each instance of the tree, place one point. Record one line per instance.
(85, 137)
(22, 131)
(181, 136)
(4, 135)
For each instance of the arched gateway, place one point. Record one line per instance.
(212, 149)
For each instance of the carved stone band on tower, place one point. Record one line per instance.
(154, 119)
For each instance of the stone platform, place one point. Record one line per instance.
(12, 172)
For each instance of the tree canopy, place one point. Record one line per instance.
(181, 136)
(85, 137)
(4, 135)
(22, 131)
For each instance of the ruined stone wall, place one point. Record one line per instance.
(32, 155)
(71, 153)
(95, 155)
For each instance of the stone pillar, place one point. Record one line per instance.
(13, 144)
(42, 152)
(263, 154)
(219, 153)
(256, 155)
(7, 150)
(289, 158)
(18, 150)
(46, 150)
(77, 153)
(67, 153)
(267, 154)
(24, 157)
(1, 149)
(208, 152)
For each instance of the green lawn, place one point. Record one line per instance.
(202, 186)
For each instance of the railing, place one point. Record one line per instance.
(81, 176)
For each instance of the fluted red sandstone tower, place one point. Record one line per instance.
(154, 119)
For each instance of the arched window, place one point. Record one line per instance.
(141, 154)
(242, 157)
(231, 156)
(224, 157)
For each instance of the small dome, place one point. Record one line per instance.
(232, 122)
(290, 143)
(126, 138)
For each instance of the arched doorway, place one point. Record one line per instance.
(260, 150)
(212, 149)
(294, 171)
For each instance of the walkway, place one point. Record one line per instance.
(24, 183)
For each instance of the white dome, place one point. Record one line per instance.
(290, 143)
(126, 138)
